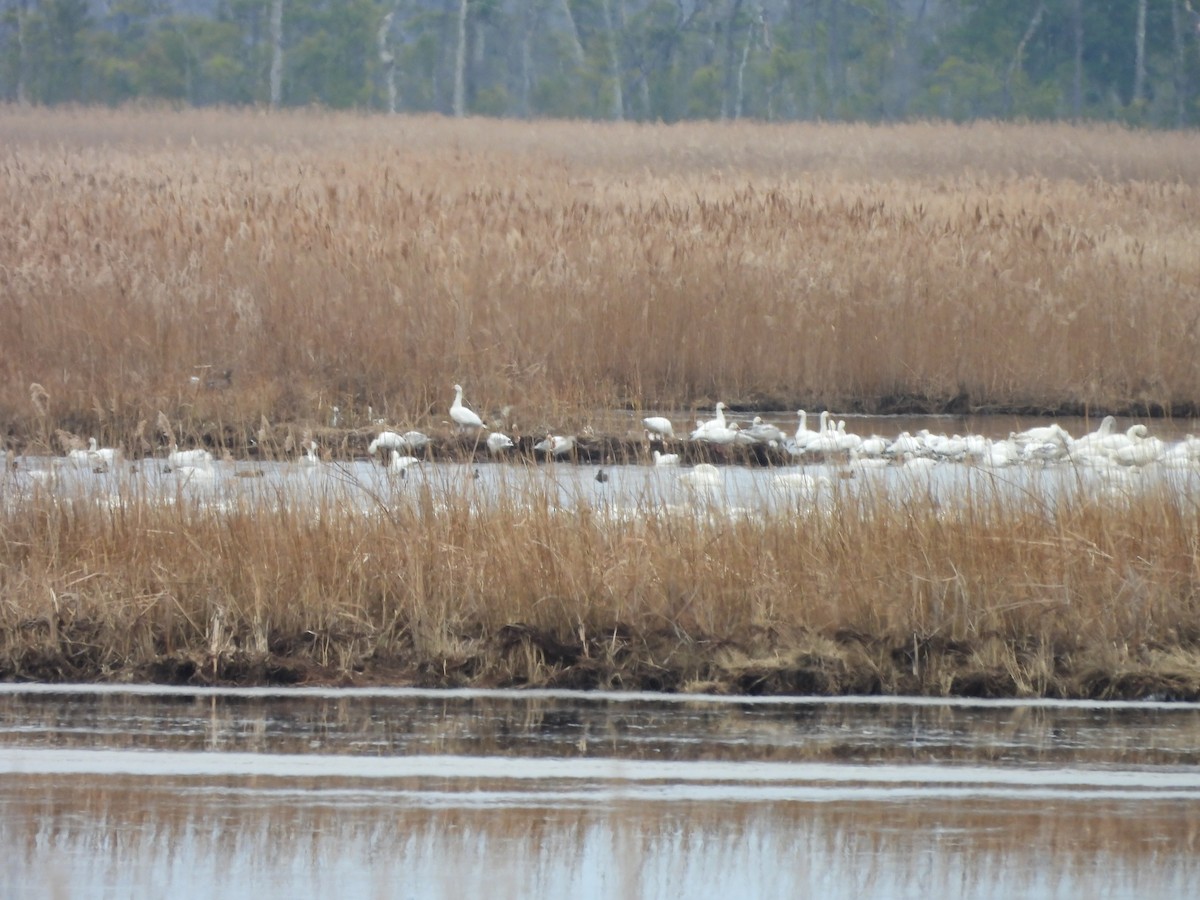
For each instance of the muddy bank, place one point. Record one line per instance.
(622, 658)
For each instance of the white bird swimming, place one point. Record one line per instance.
(498, 442)
(666, 459)
(658, 428)
(702, 475)
(199, 471)
(1044, 434)
(310, 455)
(105, 457)
(461, 415)
(179, 458)
(80, 457)
(400, 464)
(800, 482)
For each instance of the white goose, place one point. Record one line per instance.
(658, 428)
(310, 455)
(498, 442)
(462, 416)
(666, 459)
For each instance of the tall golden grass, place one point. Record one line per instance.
(876, 592)
(560, 267)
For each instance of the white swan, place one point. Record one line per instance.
(400, 464)
(762, 432)
(555, 445)
(1045, 434)
(80, 458)
(658, 427)
(415, 440)
(721, 435)
(1140, 452)
(461, 415)
(178, 458)
(702, 475)
(717, 423)
(906, 444)
(803, 433)
(498, 442)
(200, 471)
(311, 455)
(800, 482)
(832, 440)
(387, 440)
(666, 459)
(102, 456)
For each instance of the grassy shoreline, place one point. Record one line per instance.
(873, 593)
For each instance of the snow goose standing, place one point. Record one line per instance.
(658, 428)
(462, 416)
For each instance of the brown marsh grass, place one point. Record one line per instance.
(876, 593)
(556, 268)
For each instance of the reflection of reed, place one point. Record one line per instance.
(531, 727)
(281, 839)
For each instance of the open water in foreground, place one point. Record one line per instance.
(180, 793)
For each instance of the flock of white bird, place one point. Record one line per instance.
(1106, 447)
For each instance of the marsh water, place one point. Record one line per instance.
(625, 488)
(134, 792)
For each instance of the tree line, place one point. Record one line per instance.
(1133, 61)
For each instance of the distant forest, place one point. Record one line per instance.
(1130, 61)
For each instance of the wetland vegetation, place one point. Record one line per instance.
(228, 279)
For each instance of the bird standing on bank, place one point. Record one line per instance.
(462, 415)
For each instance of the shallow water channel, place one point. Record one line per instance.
(137, 792)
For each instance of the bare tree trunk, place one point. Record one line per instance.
(1178, 68)
(460, 63)
(1015, 65)
(1139, 64)
(727, 102)
(572, 33)
(387, 59)
(755, 23)
(614, 62)
(1077, 88)
(22, 54)
(276, 53)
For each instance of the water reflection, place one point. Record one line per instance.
(432, 794)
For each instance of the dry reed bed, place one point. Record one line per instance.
(353, 261)
(877, 593)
